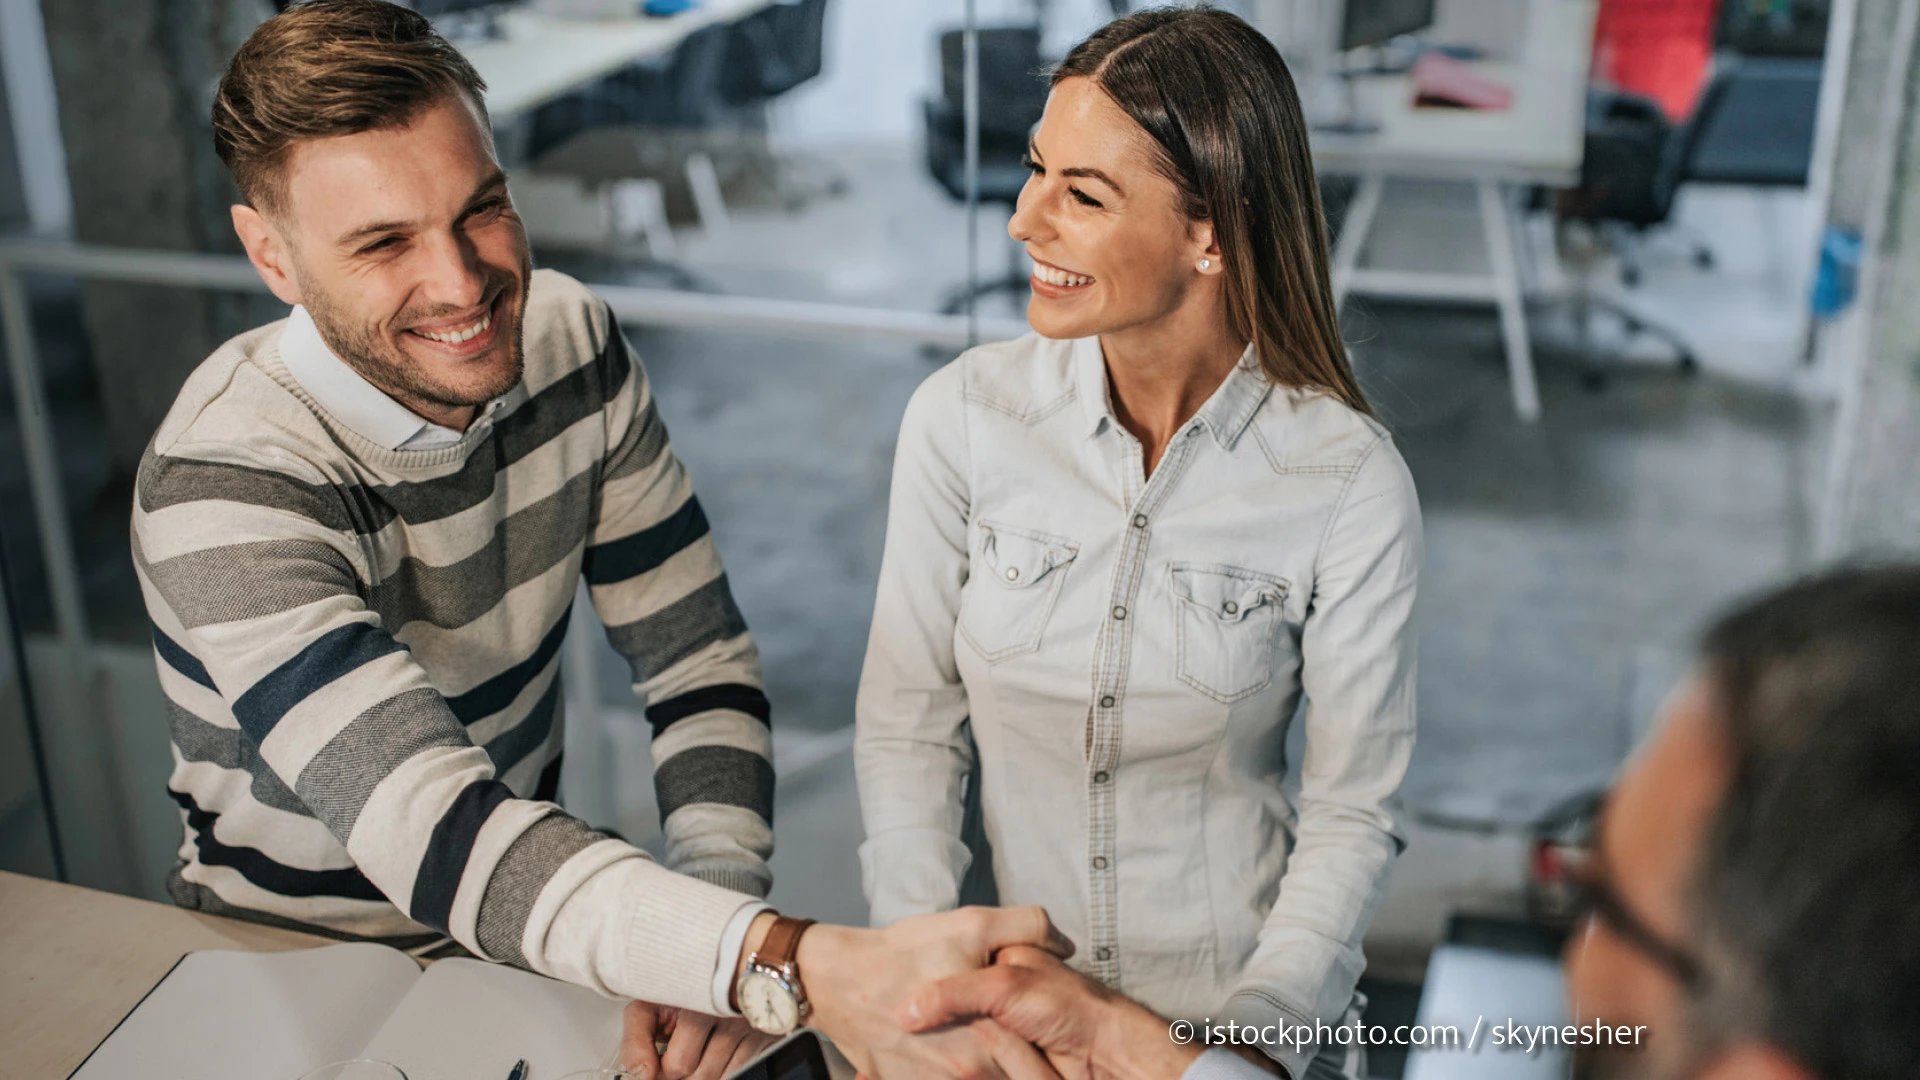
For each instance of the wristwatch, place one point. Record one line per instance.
(768, 992)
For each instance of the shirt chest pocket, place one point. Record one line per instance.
(1015, 581)
(1225, 621)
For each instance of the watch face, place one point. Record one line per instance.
(768, 1004)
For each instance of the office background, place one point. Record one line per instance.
(1641, 335)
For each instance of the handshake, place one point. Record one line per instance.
(974, 994)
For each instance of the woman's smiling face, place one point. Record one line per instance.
(1111, 245)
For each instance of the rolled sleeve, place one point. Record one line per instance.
(1251, 1008)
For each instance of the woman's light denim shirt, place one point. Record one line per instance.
(1130, 651)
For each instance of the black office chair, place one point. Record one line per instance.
(1634, 163)
(769, 53)
(681, 94)
(1760, 132)
(1013, 94)
(774, 50)
(644, 121)
(1779, 28)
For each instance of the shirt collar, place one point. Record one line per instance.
(349, 397)
(1226, 414)
(1090, 380)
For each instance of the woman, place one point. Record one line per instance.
(1120, 551)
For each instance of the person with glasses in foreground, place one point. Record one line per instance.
(1750, 895)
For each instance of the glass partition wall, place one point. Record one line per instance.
(798, 211)
(29, 827)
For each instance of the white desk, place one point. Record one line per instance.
(541, 57)
(1538, 139)
(74, 961)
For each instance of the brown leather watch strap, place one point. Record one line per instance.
(782, 942)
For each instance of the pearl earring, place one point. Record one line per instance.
(1205, 263)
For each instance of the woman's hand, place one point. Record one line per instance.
(697, 1046)
(1087, 1031)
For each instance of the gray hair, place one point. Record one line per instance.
(1808, 895)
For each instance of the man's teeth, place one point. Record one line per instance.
(458, 336)
(1053, 276)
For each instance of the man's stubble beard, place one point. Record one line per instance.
(399, 376)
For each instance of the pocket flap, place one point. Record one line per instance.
(1228, 592)
(1017, 558)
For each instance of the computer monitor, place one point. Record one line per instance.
(1375, 22)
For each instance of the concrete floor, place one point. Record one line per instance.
(1569, 562)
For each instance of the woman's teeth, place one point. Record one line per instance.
(1053, 276)
(457, 336)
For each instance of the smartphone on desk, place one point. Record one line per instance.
(796, 1057)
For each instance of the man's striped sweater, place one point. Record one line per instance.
(360, 651)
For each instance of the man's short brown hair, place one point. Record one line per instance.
(327, 68)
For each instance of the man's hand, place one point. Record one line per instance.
(1087, 1031)
(857, 979)
(699, 1047)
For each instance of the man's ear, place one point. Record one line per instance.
(1755, 1061)
(268, 252)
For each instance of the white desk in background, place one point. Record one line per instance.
(1538, 139)
(541, 56)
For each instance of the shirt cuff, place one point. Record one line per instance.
(1256, 1010)
(1222, 1065)
(732, 940)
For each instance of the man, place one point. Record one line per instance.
(359, 533)
(1753, 893)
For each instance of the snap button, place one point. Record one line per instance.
(1119, 612)
(1106, 701)
(1103, 953)
(1101, 777)
(1099, 862)
(1229, 607)
(1139, 521)
(1013, 573)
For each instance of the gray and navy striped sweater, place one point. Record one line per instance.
(360, 651)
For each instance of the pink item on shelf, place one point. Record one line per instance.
(1439, 79)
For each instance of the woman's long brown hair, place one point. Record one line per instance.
(1220, 105)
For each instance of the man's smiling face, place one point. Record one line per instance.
(403, 245)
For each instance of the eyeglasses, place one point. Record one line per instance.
(1593, 897)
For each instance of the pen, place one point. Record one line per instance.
(519, 1070)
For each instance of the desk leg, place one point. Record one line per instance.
(1353, 234)
(1502, 258)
